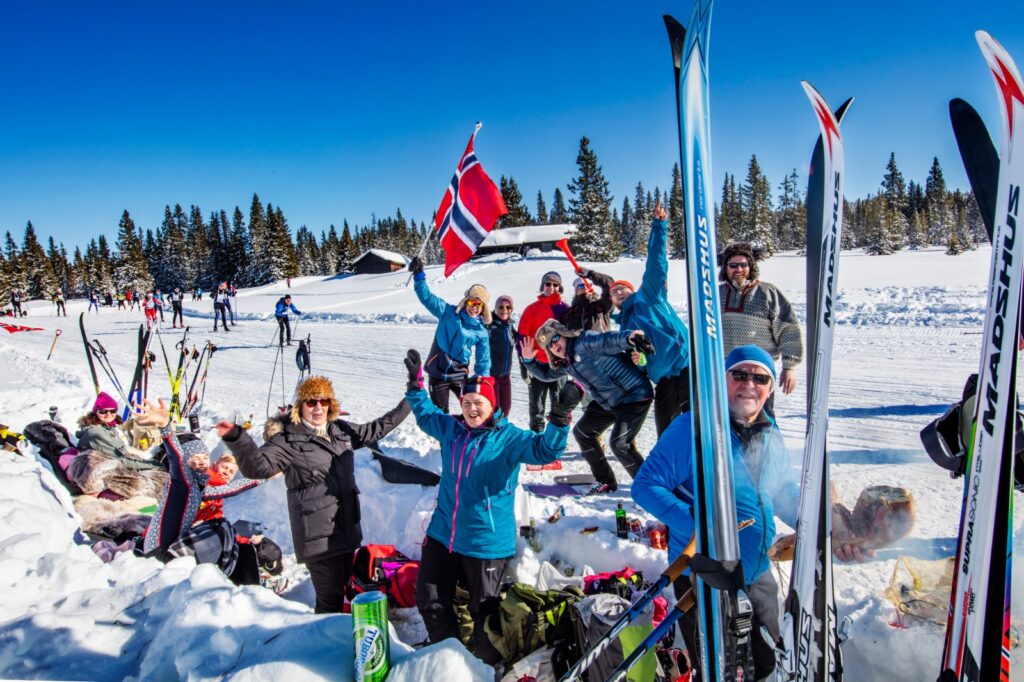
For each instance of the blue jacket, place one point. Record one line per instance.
(475, 511)
(670, 465)
(503, 338)
(599, 362)
(457, 335)
(282, 308)
(649, 311)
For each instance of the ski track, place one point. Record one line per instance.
(901, 356)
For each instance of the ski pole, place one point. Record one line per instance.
(279, 355)
(88, 354)
(56, 335)
(668, 577)
(685, 603)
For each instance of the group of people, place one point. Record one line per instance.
(615, 347)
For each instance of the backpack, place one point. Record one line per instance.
(945, 439)
(528, 619)
(593, 618)
(384, 569)
(210, 542)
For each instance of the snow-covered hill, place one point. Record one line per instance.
(909, 333)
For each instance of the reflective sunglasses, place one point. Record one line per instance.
(106, 411)
(740, 377)
(313, 402)
(737, 266)
(474, 303)
(554, 340)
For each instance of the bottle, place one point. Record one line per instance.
(621, 525)
(534, 540)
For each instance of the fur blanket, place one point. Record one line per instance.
(112, 519)
(94, 472)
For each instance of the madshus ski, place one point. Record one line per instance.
(977, 643)
(725, 615)
(809, 624)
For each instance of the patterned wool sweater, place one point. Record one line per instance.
(759, 314)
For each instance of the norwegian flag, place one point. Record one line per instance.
(469, 210)
(15, 328)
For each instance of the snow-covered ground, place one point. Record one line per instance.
(910, 332)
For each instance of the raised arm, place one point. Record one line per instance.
(371, 432)
(256, 461)
(656, 272)
(432, 302)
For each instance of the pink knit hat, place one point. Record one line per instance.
(104, 402)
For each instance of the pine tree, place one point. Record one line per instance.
(239, 249)
(756, 199)
(36, 266)
(938, 207)
(791, 217)
(559, 214)
(591, 208)
(975, 223)
(917, 236)
(518, 214)
(259, 246)
(724, 227)
(894, 189)
(641, 224)
(676, 217)
(347, 250)
(542, 209)
(198, 265)
(329, 252)
(626, 227)
(16, 279)
(130, 271)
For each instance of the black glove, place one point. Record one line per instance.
(415, 265)
(415, 369)
(562, 406)
(642, 344)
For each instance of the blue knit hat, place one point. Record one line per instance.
(754, 355)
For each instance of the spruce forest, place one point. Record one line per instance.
(191, 249)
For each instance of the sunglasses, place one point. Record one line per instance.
(740, 377)
(550, 284)
(313, 402)
(106, 411)
(554, 340)
(504, 307)
(736, 266)
(474, 303)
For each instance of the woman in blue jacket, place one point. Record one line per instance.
(460, 330)
(472, 533)
(762, 485)
(620, 390)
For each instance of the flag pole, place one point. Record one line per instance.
(433, 226)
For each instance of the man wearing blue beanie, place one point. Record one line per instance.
(763, 485)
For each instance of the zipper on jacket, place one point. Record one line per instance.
(458, 478)
(490, 516)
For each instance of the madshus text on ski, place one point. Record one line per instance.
(599, 355)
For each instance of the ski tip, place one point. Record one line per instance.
(1004, 69)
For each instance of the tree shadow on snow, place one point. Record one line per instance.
(888, 411)
(877, 456)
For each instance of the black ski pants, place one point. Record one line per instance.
(440, 573)
(285, 326)
(625, 421)
(542, 393)
(440, 390)
(503, 392)
(764, 599)
(671, 399)
(177, 316)
(218, 309)
(329, 575)
(61, 309)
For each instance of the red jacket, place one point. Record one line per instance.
(212, 509)
(537, 313)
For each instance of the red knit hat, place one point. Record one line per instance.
(482, 385)
(623, 283)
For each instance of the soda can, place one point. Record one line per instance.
(636, 527)
(657, 537)
(370, 636)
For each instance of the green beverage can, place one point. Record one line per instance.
(370, 636)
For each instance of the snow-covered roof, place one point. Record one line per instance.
(528, 234)
(386, 255)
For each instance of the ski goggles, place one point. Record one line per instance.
(741, 377)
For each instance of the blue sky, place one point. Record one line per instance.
(334, 110)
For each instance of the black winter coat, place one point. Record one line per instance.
(323, 499)
(587, 315)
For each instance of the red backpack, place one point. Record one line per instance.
(384, 569)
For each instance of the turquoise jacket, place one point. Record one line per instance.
(649, 311)
(458, 333)
(475, 511)
(670, 467)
